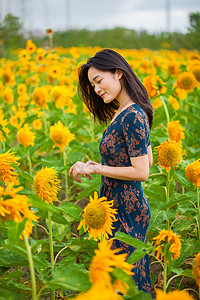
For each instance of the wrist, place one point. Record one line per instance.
(97, 168)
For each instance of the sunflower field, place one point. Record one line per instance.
(53, 242)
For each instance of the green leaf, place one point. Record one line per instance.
(60, 230)
(38, 260)
(132, 241)
(158, 217)
(23, 173)
(64, 263)
(188, 248)
(39, 203)
(180, 177)
(59, 219)
(137, 255)
(156, 192)
(118, 273)
(71, 210)
(10, 259)
(36, 244)
(8, 295)
(15, 230)
(186, 272)
(12, 275)
(74, 277)
(181, 198)
(93, 186)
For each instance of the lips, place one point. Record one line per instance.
(102, 95)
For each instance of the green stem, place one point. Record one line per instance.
(45, 125)
(43, 228)
(51, 250)
(183, 190)
(40, 291)
(66, 175)
(3, 145)
(51, 41)
(30, 163)
(198, 208)
(165, 271)
(165, 108)
(31, 266)
(167, 193)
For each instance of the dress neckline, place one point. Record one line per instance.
(121, 112)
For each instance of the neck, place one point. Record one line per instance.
(123, 104)
(124, 99)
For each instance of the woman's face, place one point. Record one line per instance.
(106, 84)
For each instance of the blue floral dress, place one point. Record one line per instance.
(128, 136)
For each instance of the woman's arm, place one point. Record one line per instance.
(150, 155)
(139, 171)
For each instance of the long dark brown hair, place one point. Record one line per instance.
(109, 60)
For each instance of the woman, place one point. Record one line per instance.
(112, 92)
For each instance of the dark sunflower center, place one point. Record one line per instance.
(95, 216)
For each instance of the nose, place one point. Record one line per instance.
(97, 89)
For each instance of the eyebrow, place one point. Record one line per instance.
(94, 78)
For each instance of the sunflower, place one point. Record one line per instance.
(175, 104)
(196, 269)
(60, 135)
(98, 217)
(169, 154)
(56, 92)
(196, 72)
(7, 174)
(18, 118)
(24, 55)
(170, 239)
(154, 85)
(98, 292)
(157, 103)
(192, 172)
(25, 136)
(8, 95)
(54, 71)
(174, 68)
(186, 81)
(37, 124)
(30, 47)
(103, 263)
(180, 93)
(32, 80)
(4, 131)
(175, 295)
(16, 207)
(40, 96)
(21, 89)
(49, 31)
(8, 76)
(175, 131)
(46, 184)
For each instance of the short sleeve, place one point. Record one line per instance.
(136, 133)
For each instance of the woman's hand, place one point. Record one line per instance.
(81, 168)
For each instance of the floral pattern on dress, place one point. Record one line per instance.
(128, 136)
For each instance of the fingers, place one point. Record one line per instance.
(90, 162)
(72, 168)
(77, 169)
(88, 176)
(70, 171)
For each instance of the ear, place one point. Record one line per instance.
(119, 73)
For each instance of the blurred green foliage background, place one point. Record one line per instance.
(12, 37)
